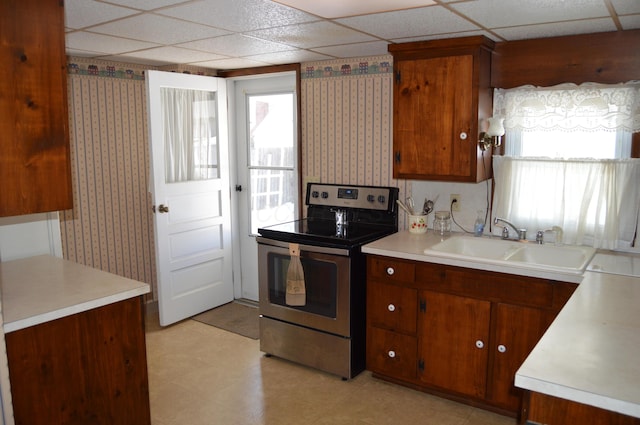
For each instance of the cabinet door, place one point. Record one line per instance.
(34, 159)
(518, 330)
(432, 118)
(391, 353)
(453, 336)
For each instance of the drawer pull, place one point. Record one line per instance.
(390, 271)
(392, 353)
(391, 307)
(502, 348)
(479, 344)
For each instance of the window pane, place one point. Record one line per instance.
(562, 144)
(190, 134)
(272, 197)
(271, 127)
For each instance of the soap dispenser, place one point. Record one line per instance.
(478, 228)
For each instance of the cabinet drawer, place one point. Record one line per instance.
(502, 288)
(392, 307)
(391, 269)
(391, 354)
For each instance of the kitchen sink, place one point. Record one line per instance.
(465, 246)
(563, 259)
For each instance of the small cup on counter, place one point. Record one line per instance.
(417, 224)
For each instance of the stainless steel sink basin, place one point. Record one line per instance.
(571, 259)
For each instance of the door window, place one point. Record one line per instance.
(272, 159)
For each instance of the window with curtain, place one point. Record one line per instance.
(191, 151)
(567, 162)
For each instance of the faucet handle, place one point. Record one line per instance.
(540, 237)
(505, 232)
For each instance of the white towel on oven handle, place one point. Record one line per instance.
(296, 294)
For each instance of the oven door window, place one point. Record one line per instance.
(321, 276)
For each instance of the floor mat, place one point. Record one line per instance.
(237, 317)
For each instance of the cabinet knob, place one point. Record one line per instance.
(502, 348)
(391, 307)
(463, 136)
(390, 271)
(392, 353)
(479, 344)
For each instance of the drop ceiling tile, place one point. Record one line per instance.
(238, 15)
(106, 44)
(409, 23)
(630, 22)
(372, 48)
(315, 34)
(145, 4)
(341, 8)
(626, 7)
(174, 55)
(449, 35)
(139, 61)
(290, 56)
(231, 63)
(236, 45)
(557, 29)
(83, 53)
(508, 13)
(85, 13)
(159, 29)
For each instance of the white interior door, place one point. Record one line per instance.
(190, 193)
(267, 164)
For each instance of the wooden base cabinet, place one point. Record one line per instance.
(456, 332)
(88, 368)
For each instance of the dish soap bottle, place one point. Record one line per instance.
(478, 228)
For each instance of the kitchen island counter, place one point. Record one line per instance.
(75, 343)
(39, 289)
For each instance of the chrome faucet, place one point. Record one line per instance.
(557, 230)
(522, 233)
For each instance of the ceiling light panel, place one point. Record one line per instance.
(331, 9)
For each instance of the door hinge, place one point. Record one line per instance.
(423, 306)
(421, 365)
(397, 157)
(238, 188)
(398, 77)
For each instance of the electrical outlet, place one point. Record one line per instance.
(455, 202)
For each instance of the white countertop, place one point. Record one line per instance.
(43, 288)
(590, 352)
(411, 246)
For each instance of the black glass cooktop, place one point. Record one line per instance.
(321, 232)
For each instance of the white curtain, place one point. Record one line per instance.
(189, 134)
(595, 202)
(570, 107)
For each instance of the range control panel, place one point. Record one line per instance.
(344, 196)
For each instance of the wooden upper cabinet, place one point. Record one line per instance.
(35, 171)
(441, 100)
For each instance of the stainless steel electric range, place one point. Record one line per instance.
(328, 332)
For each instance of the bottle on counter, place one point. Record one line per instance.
(478, 228)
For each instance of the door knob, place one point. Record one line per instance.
(163, 208)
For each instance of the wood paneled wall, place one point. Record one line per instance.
(599, 58)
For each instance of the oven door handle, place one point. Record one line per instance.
(308, 248)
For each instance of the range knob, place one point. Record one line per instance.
(315, 194)
(382, 199)
(371, 198)
(325, 195)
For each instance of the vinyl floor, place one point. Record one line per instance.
(203, 375)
